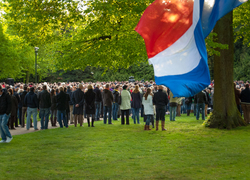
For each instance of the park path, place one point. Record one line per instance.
(19, 130)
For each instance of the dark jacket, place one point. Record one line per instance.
(201, 97)
(5, 103)
(98, 96)
(67, 104)
(89, 98)
(78, 98)
(14, 105)
(31, 100)
(44, 99)
(53, 102)
(61, 100)
(116, 96)
(208, 97)
(160, 98)
(136, 100)
(22, 96)
(69, 92)
(107, 97)
(237, 96)
(245, 96)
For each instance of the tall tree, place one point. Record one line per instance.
(225, 113)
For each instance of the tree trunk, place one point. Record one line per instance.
(225, 114)
(27, 77)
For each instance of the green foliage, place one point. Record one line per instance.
(242, 68)
(241, 22)
(36, 21)
(15, 55)
(213, 46)
(185, 151)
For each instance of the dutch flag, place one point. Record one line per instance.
(174, 33)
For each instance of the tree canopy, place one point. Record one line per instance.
(75, 34)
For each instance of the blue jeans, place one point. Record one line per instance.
(61, 115)
(115, 108)
(4, 118)
(202, 107)
(107, 109)
(172, 113)
(148, 119)
(195, 104)
(32, 111)
(97, 110)
(136, 115)
(44, 113)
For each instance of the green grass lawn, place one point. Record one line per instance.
(186, 150)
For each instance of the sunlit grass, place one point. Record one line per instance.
(186, 150)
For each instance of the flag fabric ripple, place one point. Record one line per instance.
(174, 33)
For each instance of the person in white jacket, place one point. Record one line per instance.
(147, 102)
(125, 104)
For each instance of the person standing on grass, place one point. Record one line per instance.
(61, 99)
(201, 100)
(160, 100)
(245, 103)
(71, 116)
(108, 98)
(5, 110)
(125, 104)
(44, 105)
(24, 106)
(147, 102)
(14, 105)
(53, 110)
(32, 103)
(98, 102)
(136, 104)
(78, 101)
(89, 99)
(115, 106)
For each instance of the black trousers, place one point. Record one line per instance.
(160, 113)
(127, 116)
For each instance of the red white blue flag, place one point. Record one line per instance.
(174, 33)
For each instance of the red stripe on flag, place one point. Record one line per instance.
(163, 23)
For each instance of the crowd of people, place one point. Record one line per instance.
(69, 103)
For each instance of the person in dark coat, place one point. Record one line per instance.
(115, 105)
(78, 101)
(71, 105)
(32, 103)
(44, 106)
(108, 98)
(160, 101)
(201, 101)
(14, 105)
(136, 104)
(5, 110)
(67, 106)
(61, 100)
(89, 98)
(24, 106)
(98, 102)
(20, 107)
(53, 110)
(245, 103)
(18, 100)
